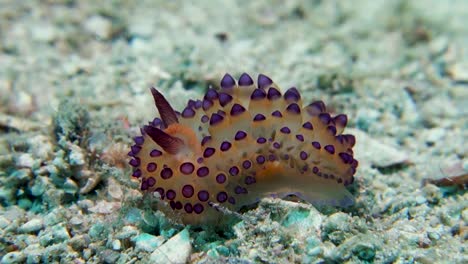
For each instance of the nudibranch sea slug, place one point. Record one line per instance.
(240, 143)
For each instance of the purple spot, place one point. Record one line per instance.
(227, 81)
(207, 104)
(350, 139)
(261, 140)
(315, 108)
(157, 123)
(188, 112)
(259, 117)
(221, 178)
(346, 157)
(260, 159)
(225, 146)
(325, 118)
(285, 130)
(155, 153)
(308, 125)
(263, 81)
(135, 149)
(246, 164)
(276, 145)
(191, 103)
(187, 168)
(231, 200)
(178, 205)
(239, 190)
(292, 95)
(249, 180)
(208, 152)
(170, 194)
(340, 120)
(237, 109)
(234, 170)
(240, 135)
(205, 140)
(203, 171)
(204, 119)
(331, 130)
(203, 196)
(258, 94)
(245, 80)
(300, 138)
(315, 170)
(198, 208)
(277, 114)
(188, 208)
(221, 197)
(135, 162)
(316, 144)
(293, 109)
(200, 160)
(211, 94)
(224, 99)
(303, 155)
(273, 94)
(144, 185)
(216, 119)
(137, 173)
(271, 157)
(330, 149)
(166, 173)
(139, 140)
(187, 191)
(339, 180)
(151, 167)
(151, 181)
(198, 104)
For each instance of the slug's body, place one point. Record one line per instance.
(239, 144)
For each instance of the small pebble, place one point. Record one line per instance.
(32, 225)
(175, 250)
(116, 245)
(146, 242)
(13, 257)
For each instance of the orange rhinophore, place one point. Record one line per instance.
(239, 144)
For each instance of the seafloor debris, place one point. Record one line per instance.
(455, 176)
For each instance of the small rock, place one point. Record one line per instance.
(13, 257)
(127, 232)
(459, 71)
(99, 26)
(77, 155)
(43, 32)
(54, 235)
(175, 250)
(39, 186)
(376, 152)
(70, 186)
(116, 245)
(4, 222)
(109, 256)
(147, 242)
(32, 225)
(25, 161)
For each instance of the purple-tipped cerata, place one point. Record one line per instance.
(239, 142)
